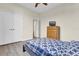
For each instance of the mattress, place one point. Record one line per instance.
(49, 47)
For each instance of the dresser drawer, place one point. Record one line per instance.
(53, 32)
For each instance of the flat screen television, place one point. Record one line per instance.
(52, 23)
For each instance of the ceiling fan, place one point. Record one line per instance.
(40, 3)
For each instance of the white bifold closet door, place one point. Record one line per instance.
(10, 27)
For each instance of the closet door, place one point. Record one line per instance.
(10, 30)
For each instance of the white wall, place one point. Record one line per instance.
(21, 14)
(67, 17)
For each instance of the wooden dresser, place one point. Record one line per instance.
(53, 32)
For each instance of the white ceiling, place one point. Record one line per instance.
(41, 8)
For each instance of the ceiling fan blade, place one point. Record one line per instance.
(36, 4)
(45, 4)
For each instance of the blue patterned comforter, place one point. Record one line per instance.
(49, 47)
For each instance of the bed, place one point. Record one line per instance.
(49, 47)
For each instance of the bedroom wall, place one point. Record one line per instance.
(67, 17)
(22, 14)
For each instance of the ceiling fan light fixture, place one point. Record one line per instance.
(40, 3)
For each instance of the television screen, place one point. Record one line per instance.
(52, 23)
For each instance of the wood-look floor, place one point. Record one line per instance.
(14, 49)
